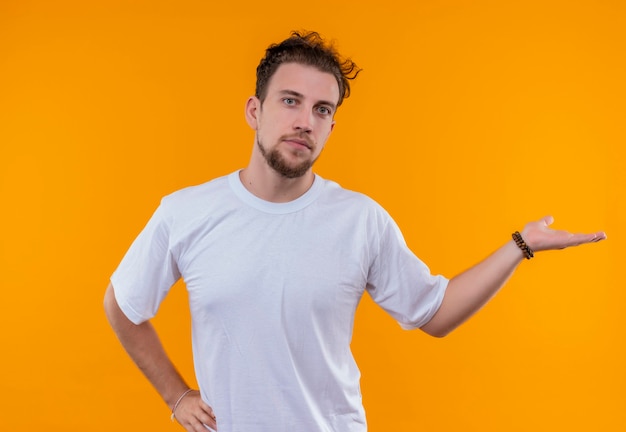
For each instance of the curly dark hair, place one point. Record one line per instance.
(307, 48)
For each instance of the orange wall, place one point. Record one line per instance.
(470, 118)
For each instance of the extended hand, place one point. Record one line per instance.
(193, 414)
(539, 236)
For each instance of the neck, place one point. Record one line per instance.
(267, 184)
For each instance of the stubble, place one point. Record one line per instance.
(278, 163)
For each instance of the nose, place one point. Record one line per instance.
(303, 121)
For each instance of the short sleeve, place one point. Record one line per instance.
(147, 271)
(401, 283)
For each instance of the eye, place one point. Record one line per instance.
(289, 101)
(324, 110)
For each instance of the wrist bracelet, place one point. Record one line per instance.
(519, 241)
(172, 417)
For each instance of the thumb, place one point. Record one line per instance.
(548, 220)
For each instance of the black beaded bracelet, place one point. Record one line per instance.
(519, 241)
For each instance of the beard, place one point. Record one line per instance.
(278, 163)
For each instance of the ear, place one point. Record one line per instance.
(253, 109)
(332, 127)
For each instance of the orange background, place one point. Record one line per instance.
(469, 119)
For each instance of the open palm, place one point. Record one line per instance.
(539, 236)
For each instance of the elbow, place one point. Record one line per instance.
(436, 329)
(437, 333)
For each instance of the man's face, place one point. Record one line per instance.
(295, 119)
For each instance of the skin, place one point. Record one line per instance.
(144, 347)
(293, 123)
(295, 120)
(472, 289)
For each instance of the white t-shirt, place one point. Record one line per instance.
(273, 289)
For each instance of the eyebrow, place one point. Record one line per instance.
(300, 95)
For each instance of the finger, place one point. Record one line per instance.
(207, 418)
(579, 239)
(199, 427)
(207, 415)
(211, 426)
(196, 425)
(207, 425)
(207, 408)
(548, 220)
(596, 237)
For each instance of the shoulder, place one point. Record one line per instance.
(196, 194)
(193, 202)
(335, 191)
(348, 200)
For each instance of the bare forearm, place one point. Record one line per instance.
(469, 291)
(142, 344)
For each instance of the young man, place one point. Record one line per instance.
(275, 260)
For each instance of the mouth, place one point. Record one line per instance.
(299, 142)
